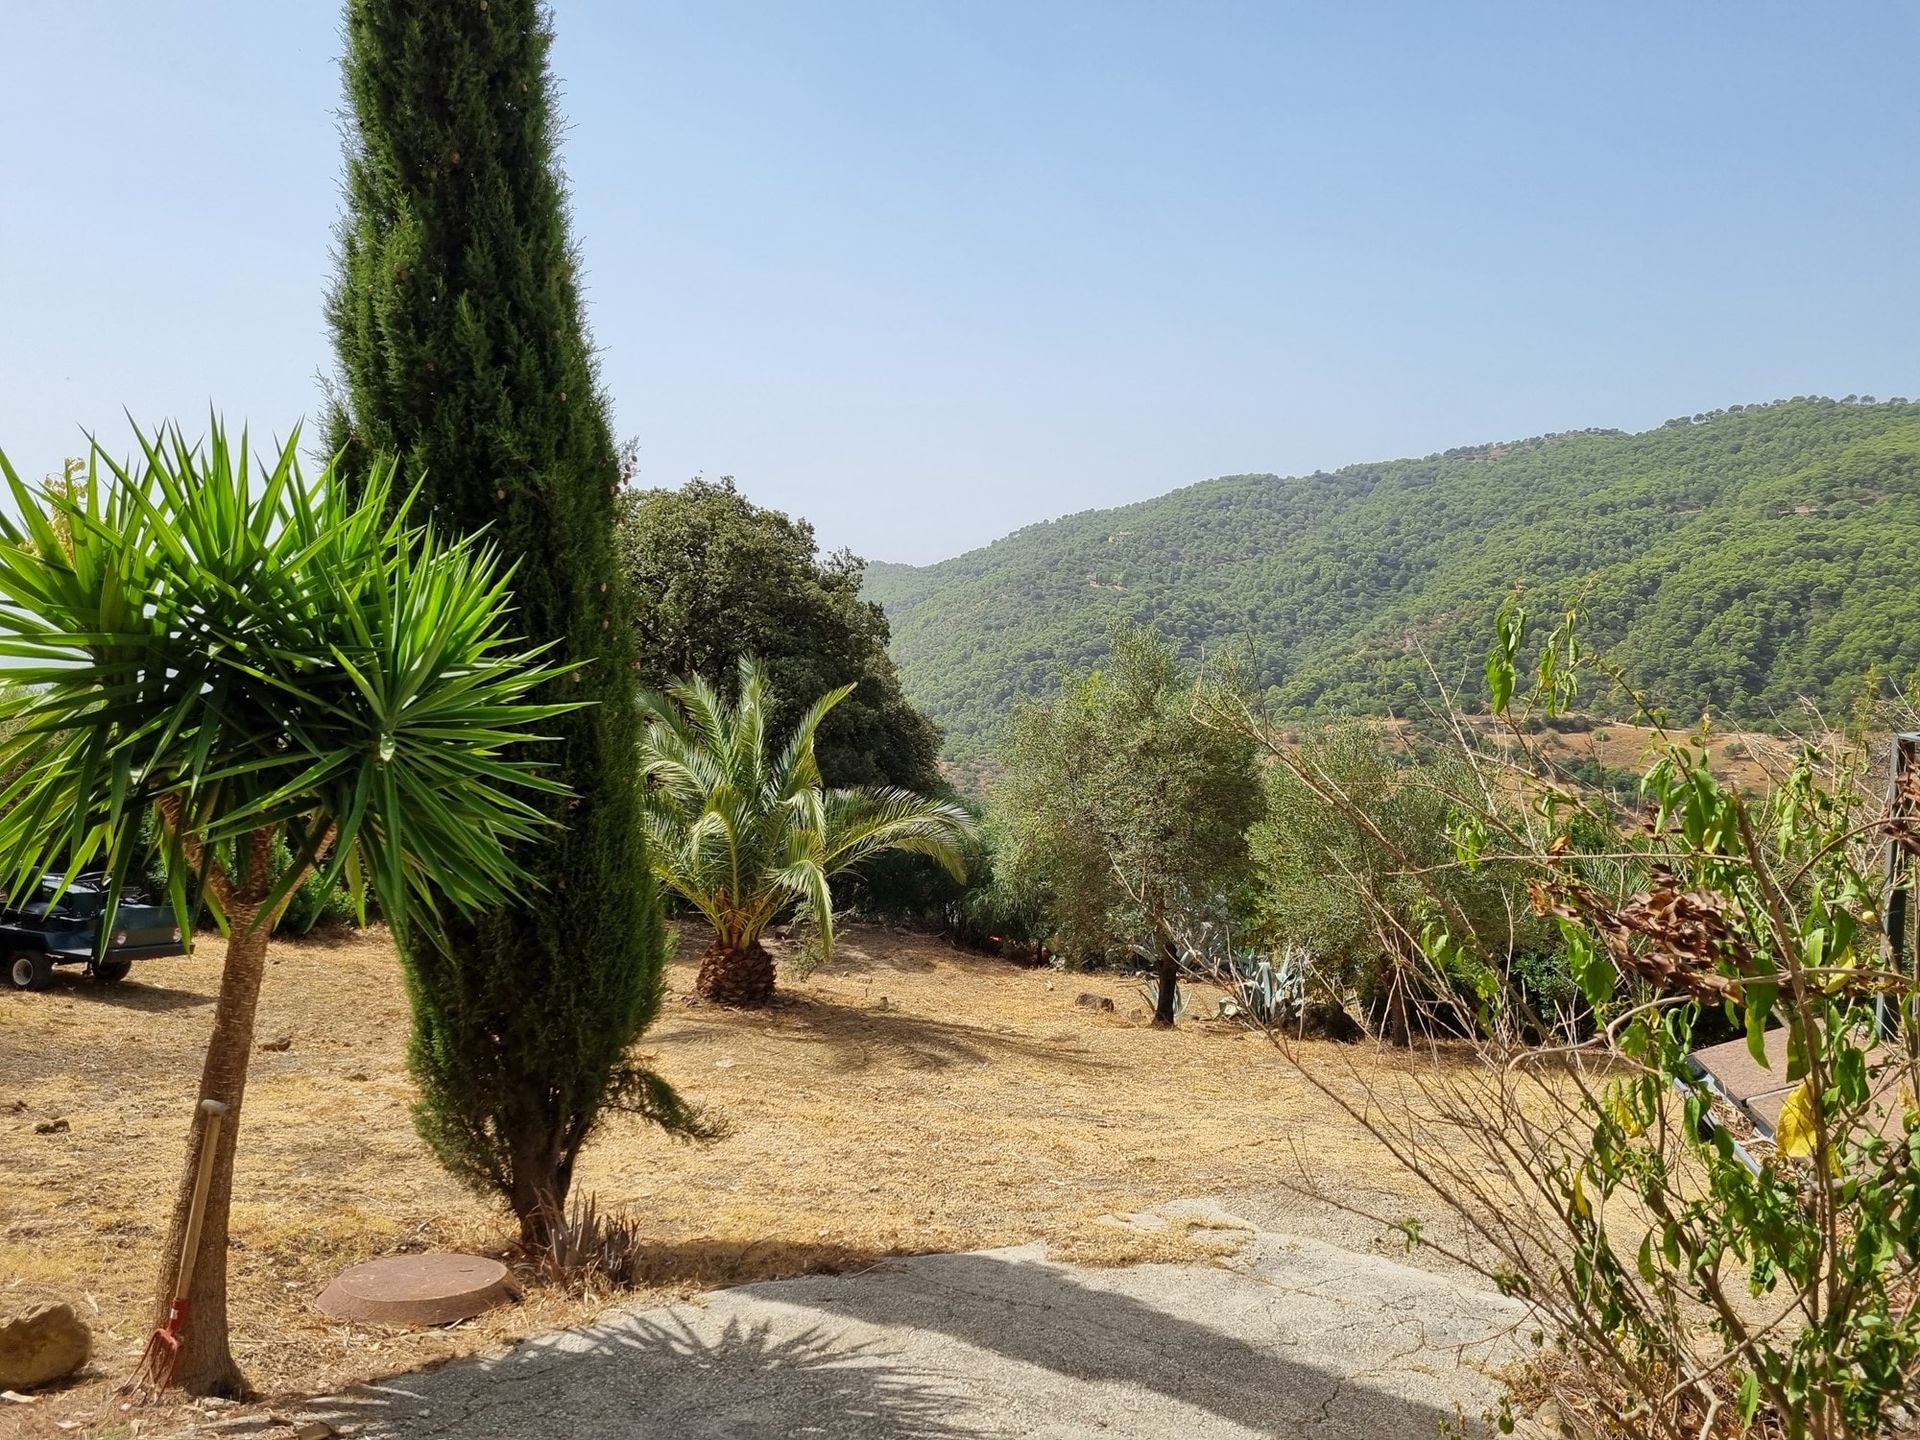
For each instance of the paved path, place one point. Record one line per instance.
(1294, 1338)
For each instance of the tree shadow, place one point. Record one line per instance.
(664, 1374)
(720, 1264)
(133, 993)
(859, 1038)
(1040, 1314)
(964, 1345)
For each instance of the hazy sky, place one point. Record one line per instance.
(925, 272)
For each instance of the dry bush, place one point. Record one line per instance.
(590, 1250)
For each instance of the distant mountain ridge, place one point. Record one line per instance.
(1740, 559)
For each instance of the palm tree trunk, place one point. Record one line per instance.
(206, 1365)
(736, 975)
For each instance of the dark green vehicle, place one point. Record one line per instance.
(46, 931)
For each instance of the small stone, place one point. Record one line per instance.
(885, 1004)
(52, 1127)
(314, 1430)
(285, 1042)
(41, 1345)
(356, 1075)
(1094, 1002)
(17, 1106)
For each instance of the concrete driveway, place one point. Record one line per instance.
(1290, 1338)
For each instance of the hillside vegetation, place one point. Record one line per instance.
(1739, 560)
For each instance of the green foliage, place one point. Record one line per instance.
(457, 321)
(255, 658)
(714, 579)
(252, 651)
(1690, 1279)
(1738, 560)
(315, 903)
(1120, 806)
(1359, 853)
(1004, 905)
(745, 830)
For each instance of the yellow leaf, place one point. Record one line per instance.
(1844, 961)
(1582, 1206)
(1795, 1133)
(1620, 1110)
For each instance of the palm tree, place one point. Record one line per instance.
(744, 832)
(254, 657)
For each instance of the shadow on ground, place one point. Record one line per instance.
(858, 1037)
(718, 1264)
(1041, 1315)
(657, 1375)
(970, 1345)
(134, 993)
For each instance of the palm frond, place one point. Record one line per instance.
(730, 820)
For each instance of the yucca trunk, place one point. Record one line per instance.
(738, 975)
(206, 1365)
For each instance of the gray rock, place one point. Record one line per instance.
(1093, 1002)
(41, 1345)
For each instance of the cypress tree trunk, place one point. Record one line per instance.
(458, 327)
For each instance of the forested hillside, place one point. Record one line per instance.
(1738, 560)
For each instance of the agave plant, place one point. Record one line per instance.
(256, 658)
(746, 832)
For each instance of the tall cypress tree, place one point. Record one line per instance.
(457, 320)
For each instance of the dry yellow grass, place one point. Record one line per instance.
(908, 1098)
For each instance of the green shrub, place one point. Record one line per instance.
(1356, 859)
(316, 904)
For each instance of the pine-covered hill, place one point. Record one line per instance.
(1740, 560)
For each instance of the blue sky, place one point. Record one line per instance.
(926, 272)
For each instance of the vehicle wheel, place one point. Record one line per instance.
(111, 972)
(30, 970)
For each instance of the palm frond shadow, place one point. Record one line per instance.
(840, 1356)
(655, 1375)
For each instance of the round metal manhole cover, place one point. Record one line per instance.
(418, 1290)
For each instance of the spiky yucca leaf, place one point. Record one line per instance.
(251, 648)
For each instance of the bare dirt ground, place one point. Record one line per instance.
(1749, 760)
(910, 1098)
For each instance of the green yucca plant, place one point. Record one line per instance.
(254, 656)
(745, 832)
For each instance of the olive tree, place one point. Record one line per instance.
(1126, 807)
